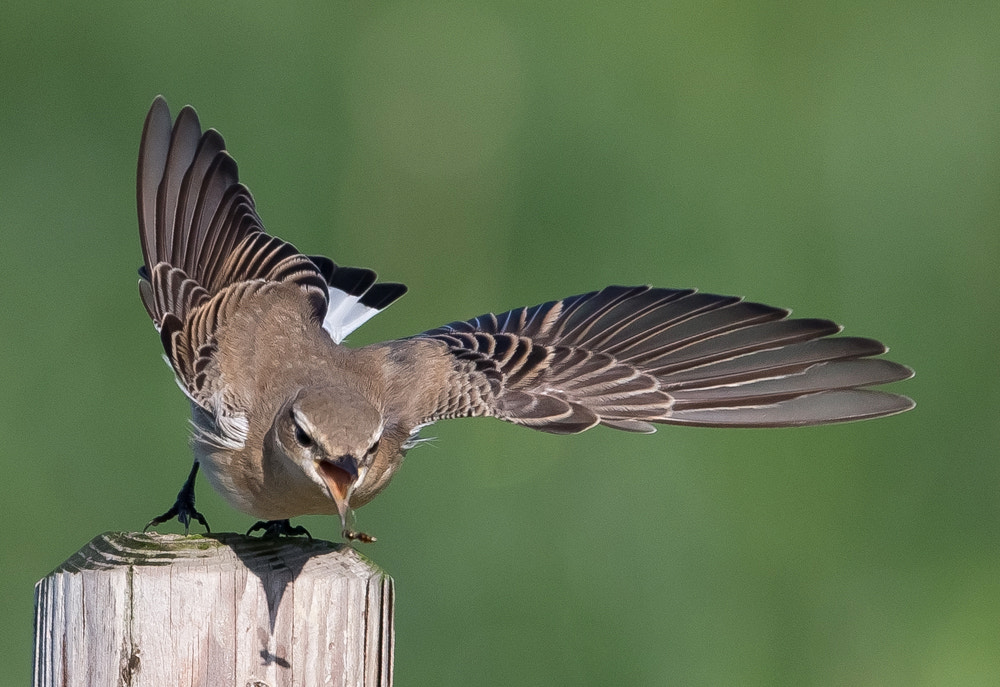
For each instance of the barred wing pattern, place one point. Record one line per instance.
(198, 226)
(205, 250)
(626, 357)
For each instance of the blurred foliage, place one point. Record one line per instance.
(839, 158)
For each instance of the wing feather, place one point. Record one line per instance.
(205, 249)
(626, 357)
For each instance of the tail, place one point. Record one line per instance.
(626, 357)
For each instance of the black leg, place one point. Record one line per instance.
(183, 508)
(278, 528)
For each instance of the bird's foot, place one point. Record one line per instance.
(278, 528)
(183, 508)
(184, 512)
(351, 535)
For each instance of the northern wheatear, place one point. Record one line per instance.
(288, 422)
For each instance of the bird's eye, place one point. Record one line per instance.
(302, 436)
(374, 447)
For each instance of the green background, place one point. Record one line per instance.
(838, 158)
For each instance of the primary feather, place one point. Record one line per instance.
(626, 357)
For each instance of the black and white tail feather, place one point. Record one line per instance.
(626, 357)
(353, 296)
(205, 249)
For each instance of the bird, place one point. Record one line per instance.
(289, 421)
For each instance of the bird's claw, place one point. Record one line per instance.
(278, 528)
(184, 513)
(183, 508)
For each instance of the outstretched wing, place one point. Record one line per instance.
(198, 226)
(626, 357)
(205, 249)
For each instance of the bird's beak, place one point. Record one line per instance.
(339, 476)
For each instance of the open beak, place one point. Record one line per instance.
(339, 476)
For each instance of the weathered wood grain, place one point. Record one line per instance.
(151, 609)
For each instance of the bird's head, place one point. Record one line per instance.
(333, 436)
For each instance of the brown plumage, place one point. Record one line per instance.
(288, 421)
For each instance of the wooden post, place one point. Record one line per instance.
(217, 610)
